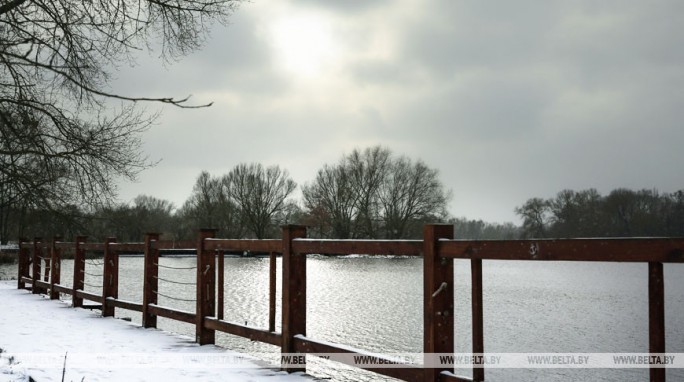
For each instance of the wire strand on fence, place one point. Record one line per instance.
(174, 298)
(168, 267)
(174, 282)
(93, 262)
(91, 285)
(93, 274)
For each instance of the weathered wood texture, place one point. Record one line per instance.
(438, 297)
(293, 291)
(220, 257)
(174, 314)
(24, 263)
(110, 278)
(656, 316)
(665, 250)
(36, 263)
(79, 271)
(264, 246)
(123, 304)
(254, 334)
(150, 280)
(206, 288)
(83, 295)
(477, 315)
(365, 247)
(272, 280)
(55, 265)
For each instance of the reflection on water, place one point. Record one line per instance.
(376, 304)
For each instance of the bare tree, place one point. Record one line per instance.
(153, 215)
(331, 202)
(56, 48)
(42, 153)
(260, 194)
(130, 222)
(635, 213)
(675, 214)
(368, 170)
(372, 194)
(63, 140)
(577, 213)
(535, 215)
(210, 206)
(411, 194)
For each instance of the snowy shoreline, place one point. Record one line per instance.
(36, 334)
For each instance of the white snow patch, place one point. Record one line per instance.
(36, 334)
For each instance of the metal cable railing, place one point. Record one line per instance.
(91, 285)
(175, 282)
(177, 268)
(174, 298)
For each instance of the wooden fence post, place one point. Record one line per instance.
(221, 255)
(79, 271)
(272, 279)
(150, 282)
(24, 262)
(47, 263)
(206, 288)
(55, 265)
(656, 317)
(293, 292)
(110, 277)
(438, 298)
(477, 317)
(36, 267)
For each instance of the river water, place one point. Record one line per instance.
(375, 304)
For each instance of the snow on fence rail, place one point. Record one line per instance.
(39, 267)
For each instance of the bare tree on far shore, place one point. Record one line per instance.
(260, 194)
(373, 194)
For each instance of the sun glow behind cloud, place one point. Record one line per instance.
(304, 45)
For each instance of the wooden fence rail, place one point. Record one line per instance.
(40, 267)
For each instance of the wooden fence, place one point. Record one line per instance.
(39, 266)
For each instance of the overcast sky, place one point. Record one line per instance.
(507, 99)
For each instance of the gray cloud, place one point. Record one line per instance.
(509, 100)
(347, 6)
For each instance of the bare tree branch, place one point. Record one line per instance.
(62, 140)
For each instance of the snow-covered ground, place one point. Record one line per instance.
(36, 335)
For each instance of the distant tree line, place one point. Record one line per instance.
(369, 193)
(586, 213)
(471, 229)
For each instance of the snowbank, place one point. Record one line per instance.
(36, 334)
